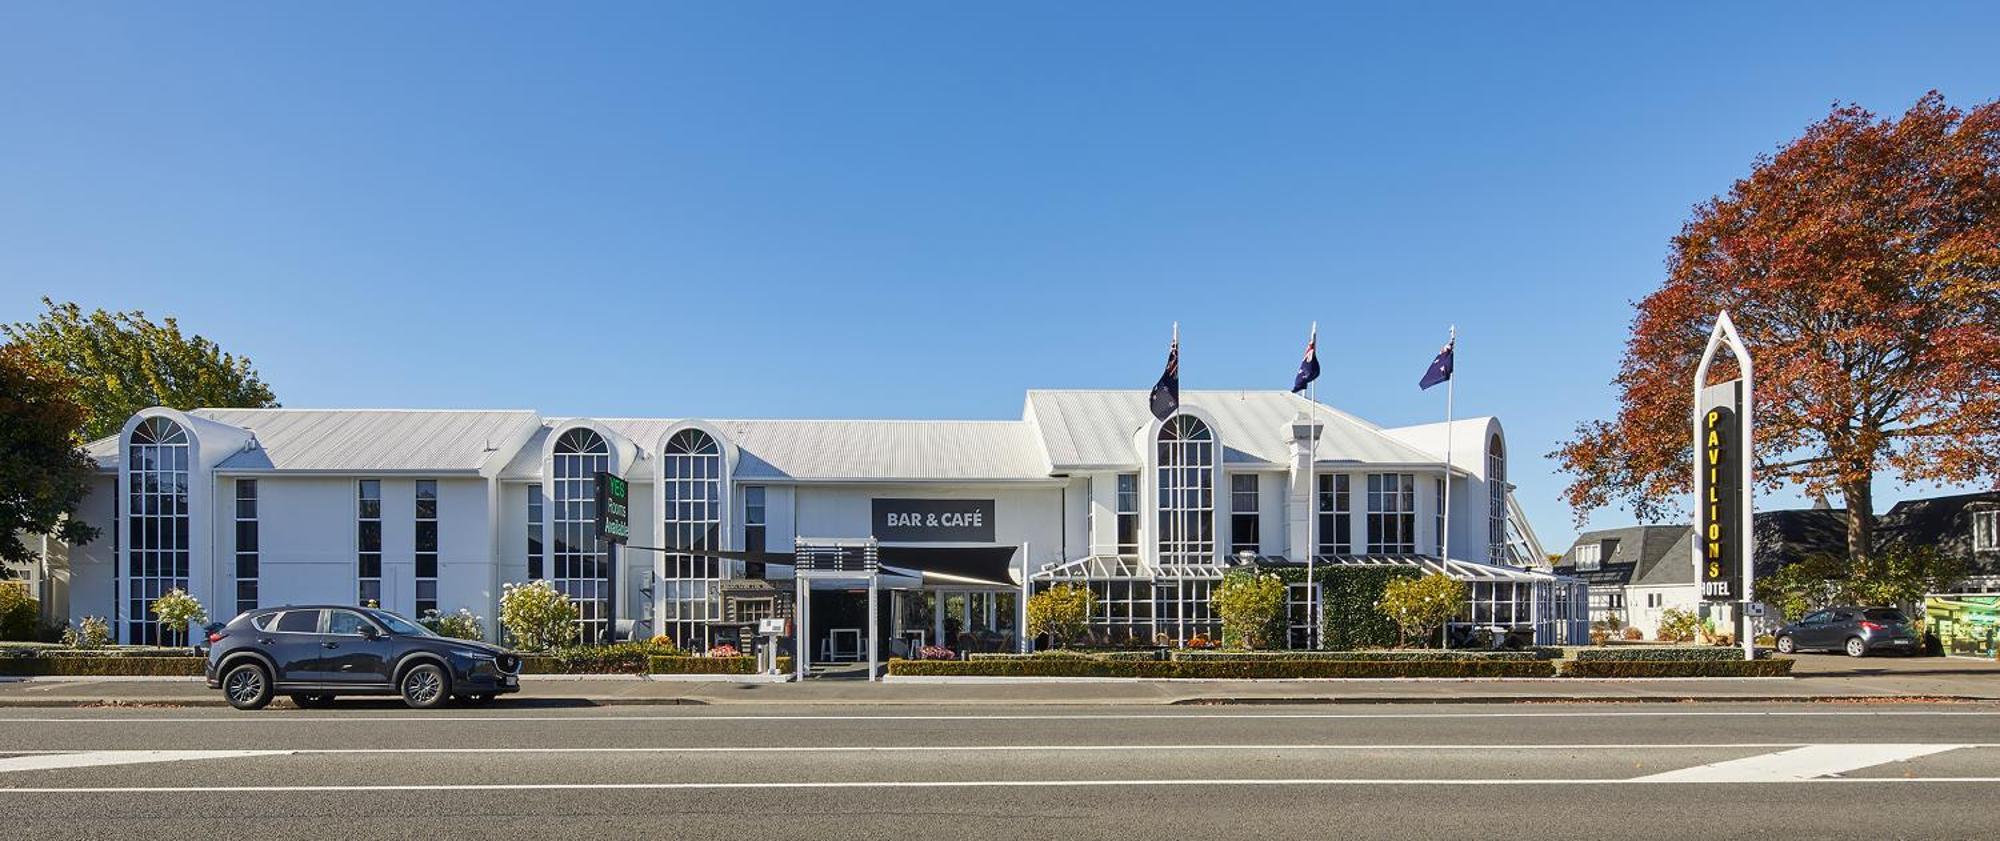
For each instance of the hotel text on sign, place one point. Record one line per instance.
(1720, 538)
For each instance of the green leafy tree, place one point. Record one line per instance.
(44, 472)
(1062, 612)
(1252, 608)
(1419, 606)
(176, 611)
(19, 613)
(1899, 575)
(122, 362)
(91, 632)
(537, 615)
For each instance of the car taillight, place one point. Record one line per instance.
(216, 636)
(1871, 625)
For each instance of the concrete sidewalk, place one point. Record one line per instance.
(553, 691)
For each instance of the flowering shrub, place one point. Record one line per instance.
(1252, 608)
(1634, 634)
(661, 641)
(538, 615)
(724, 650)
(177, 610)
(1200, 641)
(461, 624)
(91, 632)
(936, 652)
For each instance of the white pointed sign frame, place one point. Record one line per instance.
(1724, 335)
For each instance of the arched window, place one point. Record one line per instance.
(1496, 502)
(156, 549)
(691, 470)
(581, 563)
(1187, 492)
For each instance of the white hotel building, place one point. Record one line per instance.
(420, 510)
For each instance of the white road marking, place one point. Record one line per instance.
(1098, 748)
(91, 759)
(909, 784)
(285, 718)
(1802, 763)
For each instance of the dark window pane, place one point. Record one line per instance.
(299, 622)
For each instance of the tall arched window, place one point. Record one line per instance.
(581, 563)
(156, 548)
(691, 468)
(1187, 492)
(1496, 502)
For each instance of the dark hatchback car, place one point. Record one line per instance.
(1855, 630)
(315, 653)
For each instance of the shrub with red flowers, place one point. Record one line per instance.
(936, 652)
(1200, 641)
(724, 650)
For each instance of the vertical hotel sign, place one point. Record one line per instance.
(1720, 455)
(1723, 449)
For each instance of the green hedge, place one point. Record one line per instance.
(1775, 667)
(1348, 615)
(1373, 655)
(744, 665)
(50, 649)
(132, 665)
(1074, 654)
(1227, 669)
(1675, 653)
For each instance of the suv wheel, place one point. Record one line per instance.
(425, 686)
(1855, 647)
(247, 686)
(1785, 645)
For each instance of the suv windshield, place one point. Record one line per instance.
(398, 625)
(1884, 614)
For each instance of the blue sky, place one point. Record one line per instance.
(914, 210)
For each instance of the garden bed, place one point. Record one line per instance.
(1221, 669)
(1739, 667)
(93, 664)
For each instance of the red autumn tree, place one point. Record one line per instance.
(1861, 264)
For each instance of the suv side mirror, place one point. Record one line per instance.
(368, 632)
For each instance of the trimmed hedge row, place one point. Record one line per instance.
(1676, 653)
(1377, 656)
(744, 665)
(581, 662)
(1137, 655)
(48, 649)
(123, 665)
(1775, 667)
(1222, 669)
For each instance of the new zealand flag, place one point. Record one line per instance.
(1167, 392)
(1440, 369)
(1309, 366)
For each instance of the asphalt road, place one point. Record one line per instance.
(1676, 771)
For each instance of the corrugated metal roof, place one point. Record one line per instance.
(1095, 428)
(362, 439)
(874, 449)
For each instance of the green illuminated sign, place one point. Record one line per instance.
(614, 507)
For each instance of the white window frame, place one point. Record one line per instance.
(247, 559)
(1986, 531)
(157, 468)
(1590, 556)
(367, 588)
(691, 463)
(426, 586)
(1392, 495)
(574, 548)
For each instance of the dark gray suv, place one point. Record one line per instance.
(1855, 630)
(315, 653)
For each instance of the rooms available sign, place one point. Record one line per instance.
(933, 520)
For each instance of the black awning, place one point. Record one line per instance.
(986, 563)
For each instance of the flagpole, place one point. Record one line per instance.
(1179, 525)
(1444, 540)
(1312, 497)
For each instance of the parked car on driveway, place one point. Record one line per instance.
(315, 653)
(1855, 630)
